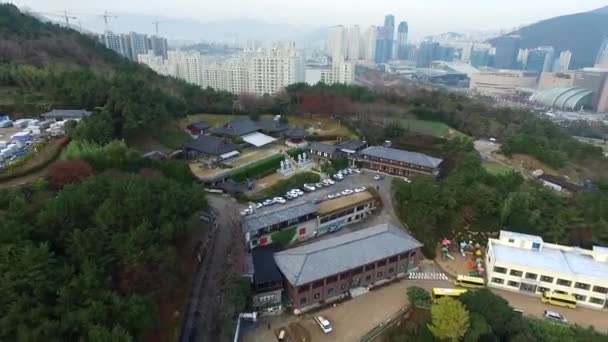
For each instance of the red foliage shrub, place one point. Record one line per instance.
(65, 172)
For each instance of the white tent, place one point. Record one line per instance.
(258, 139)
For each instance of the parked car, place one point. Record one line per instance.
(320, 185)
(347, 192)
(324, 324)
(299, 192)
(259, 205)
(246, 212)
(329, 181)
(268, 202)
(279, 200)
(338, 177)
(407, 180)
(309, 187)
(378, 177)
(289, 196)
(331, 196)
(357, 170)
(555, 316)
(360, 189)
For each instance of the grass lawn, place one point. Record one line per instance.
(434, 128)
(496, 168)
(173, 139)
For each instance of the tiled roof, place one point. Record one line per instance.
(211, 145)
(265, 219)
(323, 148)
(321, 259)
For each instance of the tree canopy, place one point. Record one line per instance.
(449, 319)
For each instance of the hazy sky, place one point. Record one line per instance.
(423, 16)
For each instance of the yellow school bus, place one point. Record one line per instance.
(467, 281)
(559, 299)
(440, 293)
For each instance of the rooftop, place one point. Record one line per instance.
(211, 145)
(264, 219)
(321, 259)
(202, 125)
(330, 206)
(505, 234)
(264, 266)
(569, 261)
(236, 128)
(402, 156)
(323, 148)
(564, 183)
(352, 145)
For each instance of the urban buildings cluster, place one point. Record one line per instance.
(133, 44)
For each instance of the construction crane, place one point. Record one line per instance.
(65, 16)
(155, 23)
(105, 17)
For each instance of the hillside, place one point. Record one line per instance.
(581, 33)
(45, 66)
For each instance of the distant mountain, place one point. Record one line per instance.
(581, 33)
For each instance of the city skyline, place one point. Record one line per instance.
(446, 17)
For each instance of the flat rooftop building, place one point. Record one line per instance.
(525, 263)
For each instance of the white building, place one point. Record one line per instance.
(564, 61)
(368, 44)
(337, 42)
(525, 263)
(116, 42)
(339, 72)
(271, 70)
(157, 63)
(188, 65)
(354, 42)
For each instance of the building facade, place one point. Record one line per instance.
(337, 42)
(525, 263)
(133, 44)
(564, 61)
(398, 162)
(507, 49)
(601, 60)
(359, 261)
(402, 31)
(502, 83)
(540, 59)
(426, 54)
(369, 43)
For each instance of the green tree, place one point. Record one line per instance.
(419, 297)
(449, 319)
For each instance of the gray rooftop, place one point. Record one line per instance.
(321, 259)
(211, 145)
(323, 148)
(236, 128)
(66, 113)
(414, 158)
(352, 145)
(265, 219)
(568, 263)
(505, 234)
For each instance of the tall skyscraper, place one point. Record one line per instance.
(337, 42)
(139, 44)
(602, 55)
(115, 42)
(389, 26)
(382, 42)
(507, 49)
(159, 46)
(402, 31)
(540, 59)
(426, 54)
(354, 41)
(564, 61)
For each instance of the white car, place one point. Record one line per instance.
(246, 212)
(324, 324)
(378, 177)
(289, 196)
(357, 170)
(331, 196)
(259, 205)
(338, 177)
(360, 189)
(299, 192)
(329, 181)
(320, 185)
(309, 187)
(555, 316)
(279, 200)
(268, 202)
(347, 192)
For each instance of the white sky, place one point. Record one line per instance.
(423, 16)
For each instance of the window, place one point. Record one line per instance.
(343, 275)
(546, 279)
(579, 297)
(303, 289)
(600, 289)
(498, 280)
(513, 283)
(317, 284)
(498, 269)
(381, 263)
(331, 279)
(379, 275)
(317, 295)
(535, 246)
(582, 286)
(596, 301)
(393, 259)
(516, 273)
(532, 276)
(561, 292)
(368, 278)
(303, 301)
(564, 282)
(369, 267)
(358, 270)
(391, 270)
(403, 256)
(542, 289)
(356, 282)
(511, 240)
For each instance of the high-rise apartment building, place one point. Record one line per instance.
(369, 43)
(389, 26)
(426, 54)
(189, 65)
(273, 69)
(601, 61)
(337, 42)
(134, 44)
(402, 31)
(157, 63)
(116, 42)
(159, 46)
(507, 49)
(139, 44)
(354, 41)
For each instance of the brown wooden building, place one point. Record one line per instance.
(398, 162)
(331, 269)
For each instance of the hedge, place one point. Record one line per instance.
(283, 186)
(284, 237)
(259, 169)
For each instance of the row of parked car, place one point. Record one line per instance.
(339, 176)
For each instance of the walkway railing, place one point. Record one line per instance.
(389, 322)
